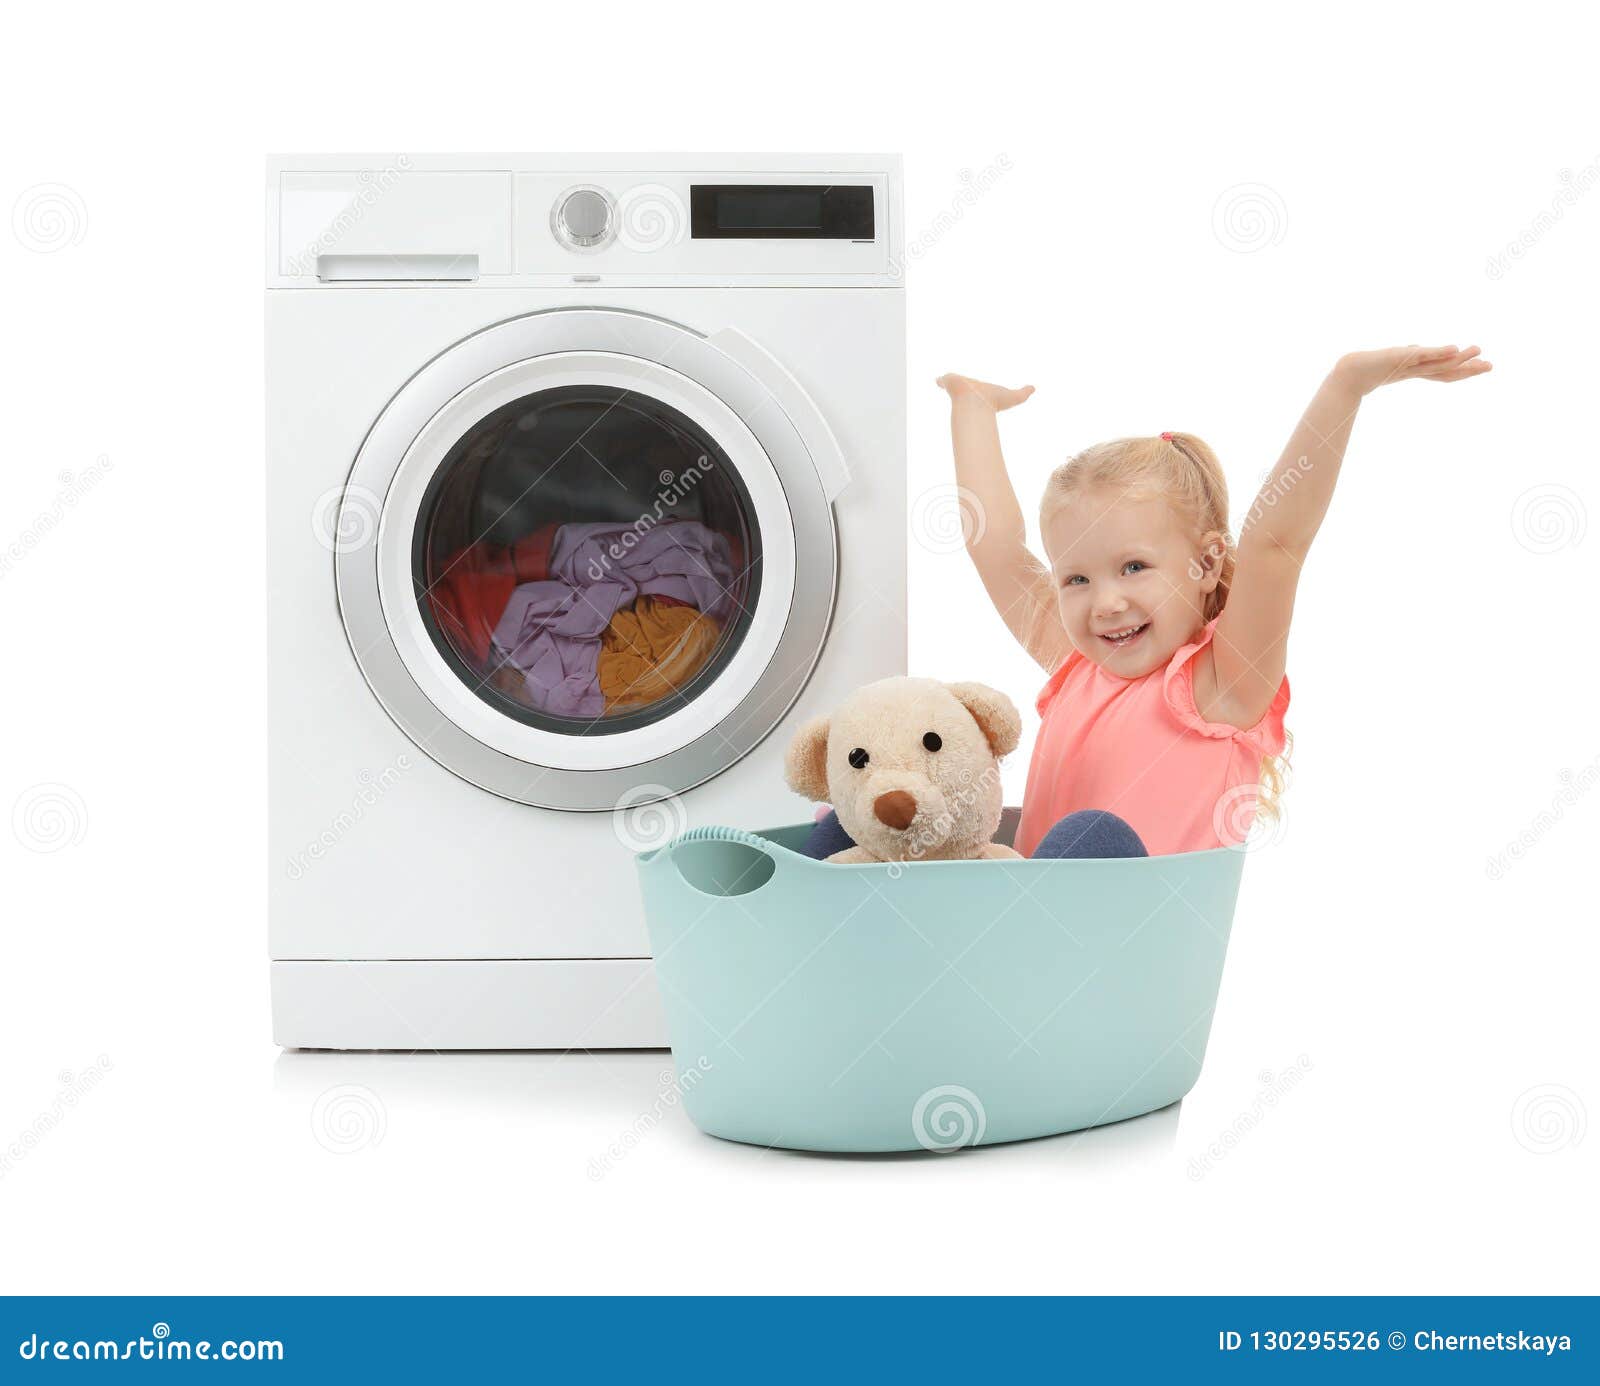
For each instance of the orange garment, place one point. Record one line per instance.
(652, 650)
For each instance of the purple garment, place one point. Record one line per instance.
(551, 630)
(681, 559)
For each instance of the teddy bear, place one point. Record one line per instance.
(912, 768)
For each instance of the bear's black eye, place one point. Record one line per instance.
(931, 740)
(858, 758)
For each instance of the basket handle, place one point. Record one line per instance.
(721, 862)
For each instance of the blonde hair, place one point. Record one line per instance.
(1182, 470)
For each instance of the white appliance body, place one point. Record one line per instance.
(448, 870)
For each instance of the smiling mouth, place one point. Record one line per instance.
(1121, 639)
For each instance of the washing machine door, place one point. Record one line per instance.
(587, 558)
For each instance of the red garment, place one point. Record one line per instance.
(530, 555)
(470, 596)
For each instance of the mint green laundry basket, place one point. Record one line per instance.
(934, 1004)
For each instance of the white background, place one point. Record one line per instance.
(1443, 659)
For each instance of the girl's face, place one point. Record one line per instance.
(1131, 579)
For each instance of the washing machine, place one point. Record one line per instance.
(585, 486)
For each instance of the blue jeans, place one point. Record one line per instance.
(1087, 833)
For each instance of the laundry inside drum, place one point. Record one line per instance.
(587, 559)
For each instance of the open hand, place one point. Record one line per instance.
(1365, 371)
(997, 397)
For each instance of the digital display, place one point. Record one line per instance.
(782, 211)
(757, 209)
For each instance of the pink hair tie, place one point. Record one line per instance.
(1166, 437)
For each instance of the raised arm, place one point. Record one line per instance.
(1018, 584)
(1250, 647)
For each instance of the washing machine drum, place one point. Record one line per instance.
(587, 558)
(590, 558)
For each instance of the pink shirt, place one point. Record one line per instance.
(1139, 748)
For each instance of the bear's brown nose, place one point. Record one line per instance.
(896, 808)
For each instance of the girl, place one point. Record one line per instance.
(1164, 640)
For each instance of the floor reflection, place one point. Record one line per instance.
(620, 1081)
(618, 1085)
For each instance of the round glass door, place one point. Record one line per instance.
(587, 559)
(605, 558)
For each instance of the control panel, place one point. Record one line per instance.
(406, 221)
